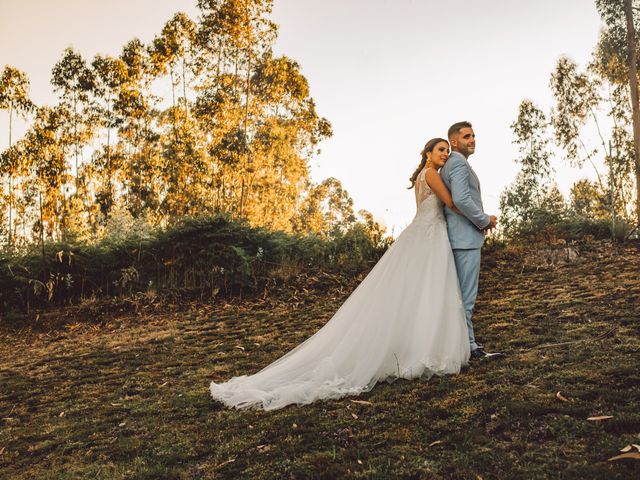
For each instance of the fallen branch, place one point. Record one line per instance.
(628, 235)
(599, 337)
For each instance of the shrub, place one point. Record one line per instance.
(196, 256)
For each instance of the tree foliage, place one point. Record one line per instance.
(616, 59)
(203, 120)
(527, 194)
(14, 97)
(586, 103)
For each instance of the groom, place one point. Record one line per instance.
(466, 231)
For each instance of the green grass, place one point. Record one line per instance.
(127, 397)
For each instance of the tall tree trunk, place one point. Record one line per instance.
(633, 84)
(612, 202)
(63, 222)
(612, 191)
(173, 102)
(41, 223)
(10, 185)
(242, 190)
(246, 188)
(109, 199)
(75, 143)
(184, 90)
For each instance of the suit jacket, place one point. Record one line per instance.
(465, 231)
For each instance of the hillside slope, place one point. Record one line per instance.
(126, 395)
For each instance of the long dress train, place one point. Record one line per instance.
(404, 320)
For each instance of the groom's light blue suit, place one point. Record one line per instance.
(466, 233)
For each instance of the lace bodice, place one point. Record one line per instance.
(429, 206)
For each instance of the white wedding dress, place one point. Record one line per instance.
(404, 320)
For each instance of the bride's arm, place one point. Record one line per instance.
(440, 189)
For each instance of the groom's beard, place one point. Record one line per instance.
(466, 152)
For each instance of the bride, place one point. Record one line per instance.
(404, 320)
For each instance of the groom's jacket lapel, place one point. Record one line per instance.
(474, 174)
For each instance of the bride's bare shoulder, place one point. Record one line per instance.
(431, 173)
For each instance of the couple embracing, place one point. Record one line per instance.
(411, 316)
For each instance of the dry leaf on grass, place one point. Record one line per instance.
(361, 402)
(628, 448)
(231, 460)
(633, 455)
(437, 442)
(354, 416)
(601, 417)
(559, 396)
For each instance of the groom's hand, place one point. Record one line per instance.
(493, 221)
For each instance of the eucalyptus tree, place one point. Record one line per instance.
(617, 59)
(525, 196)
(286, 138)
(211, 43)
(139, 143)
(73, 80)
(587, 200)
(14, 97)
(327, 209)
(47, 169)
(238, 32)
(110, 75)
(12, 165)
(25, 190)
(581, 97)
(173, 53)
(173, 50)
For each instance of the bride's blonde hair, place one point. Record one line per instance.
(427, 149)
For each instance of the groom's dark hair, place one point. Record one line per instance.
(456, 127)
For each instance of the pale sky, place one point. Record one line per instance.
(388, 74)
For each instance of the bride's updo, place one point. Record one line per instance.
(427, 148)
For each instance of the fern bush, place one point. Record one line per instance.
(196, 256)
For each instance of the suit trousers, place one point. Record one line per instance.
(468, 268)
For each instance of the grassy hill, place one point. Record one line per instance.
(119, 389)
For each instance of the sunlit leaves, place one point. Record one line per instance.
(235, 135)
(576, 96)
(611, 52)
(14, 91)
(579, 126)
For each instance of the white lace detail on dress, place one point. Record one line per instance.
(429, 206)
(422, 187)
